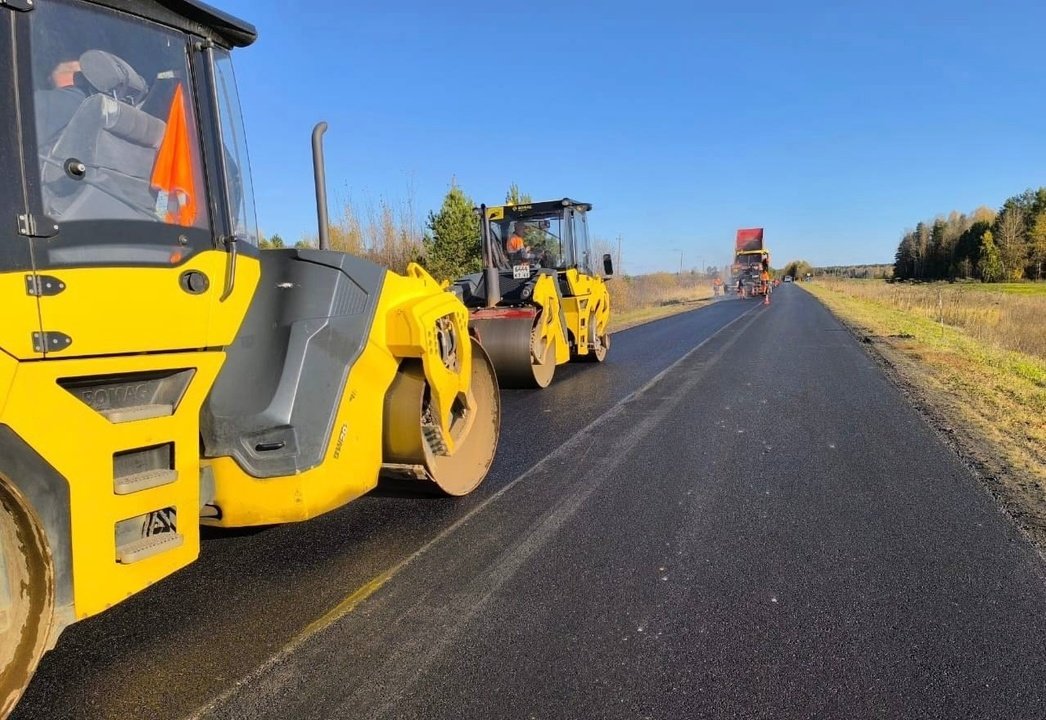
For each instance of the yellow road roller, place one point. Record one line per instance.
(538, 302)
(159, 371)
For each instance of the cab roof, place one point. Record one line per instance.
(192, 16)
(537, 209)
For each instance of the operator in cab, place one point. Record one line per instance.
(516, 245)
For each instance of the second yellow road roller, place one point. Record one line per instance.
(538, 302)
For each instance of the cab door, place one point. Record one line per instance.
(125, 251)
(20, 328)
(579, 231)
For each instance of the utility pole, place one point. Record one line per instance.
(619, 270)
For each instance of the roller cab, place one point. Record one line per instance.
(539, 302)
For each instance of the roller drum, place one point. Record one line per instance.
(520, 357)
(413, 448)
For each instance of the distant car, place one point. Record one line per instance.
(788, 278)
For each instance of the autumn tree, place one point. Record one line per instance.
(798, 269)
(1035, 245)
(1009, 237)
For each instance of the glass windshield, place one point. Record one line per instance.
(579, 247)
(538, 241)
(234, 141)
(115, 119)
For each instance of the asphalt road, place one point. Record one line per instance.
(735, 516)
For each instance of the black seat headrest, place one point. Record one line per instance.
(110, 74)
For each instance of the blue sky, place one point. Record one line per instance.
(833, 125)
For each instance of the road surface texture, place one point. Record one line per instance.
(735, 516)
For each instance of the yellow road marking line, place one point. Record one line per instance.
(344, 607)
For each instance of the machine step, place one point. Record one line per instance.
(143, 481)
(148, 546)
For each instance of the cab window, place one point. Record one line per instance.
(114, 118)
(238, 186)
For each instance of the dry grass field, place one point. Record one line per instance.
(641, 298)
(1005, 316)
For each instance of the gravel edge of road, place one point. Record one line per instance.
(972, 451)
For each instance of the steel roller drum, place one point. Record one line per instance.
(412, 442)
(510, 342)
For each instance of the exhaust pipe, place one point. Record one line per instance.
(490, 273)
(319, 175)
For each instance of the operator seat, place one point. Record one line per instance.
(114, 140)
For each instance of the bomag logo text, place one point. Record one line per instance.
(116, 396)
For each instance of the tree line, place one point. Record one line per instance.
(988, 245)
(877, 272)
(447, 247)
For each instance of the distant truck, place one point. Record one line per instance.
(751, 257)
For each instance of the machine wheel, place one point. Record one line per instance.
(598, 346)
(517, 352)
(26, 598)
(598, 353)
(410, 439)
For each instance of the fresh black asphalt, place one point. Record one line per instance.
(766, 530)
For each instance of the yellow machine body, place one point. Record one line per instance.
(60, 408)
(404, 327)
(551, 329)
(587, 308)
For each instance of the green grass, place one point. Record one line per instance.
(1005, 316)
(1024, 288)
(1029, 287)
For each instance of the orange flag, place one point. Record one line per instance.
(173, 172)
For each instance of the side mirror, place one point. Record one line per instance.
(608, 264)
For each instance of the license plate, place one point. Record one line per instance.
(520, 272)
